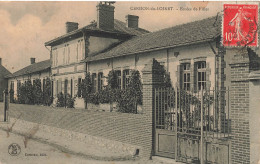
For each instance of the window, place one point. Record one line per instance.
(126, 78)
(65, 86)
(119, 83)
(71, 87)
(57, 56)
(186, 76)
(201, 75)
(57, 87)
(68, 54)
(54, 57)
(79, 87)
(12, 85)
(94, 81)
(80, 50)
(100, 81)
(83, 49)
(64, 54)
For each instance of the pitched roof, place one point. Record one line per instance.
(119, 28)
(33, 68)
(184, 34)
(4, 72)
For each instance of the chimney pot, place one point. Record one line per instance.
(71, 26)
(32, 60)
(132, 21)
(105, 16)
(0, 61)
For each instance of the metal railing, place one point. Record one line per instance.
(191, 112)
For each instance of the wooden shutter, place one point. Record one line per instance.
(75, 87)
(195, 79)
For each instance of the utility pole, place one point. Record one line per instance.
(5, 104)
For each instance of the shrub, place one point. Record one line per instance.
(112, 80)
(37, 92)
(61, 100)
(125, 103)
(29, 97)
(104, 96)
(47, 96)
(93, 98)
(86, 88)
(21, 94)
(132, 96)
(69, 101)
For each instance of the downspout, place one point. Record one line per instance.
(50, 73)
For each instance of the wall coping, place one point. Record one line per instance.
(255, 75)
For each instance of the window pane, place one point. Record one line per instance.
(188, 86)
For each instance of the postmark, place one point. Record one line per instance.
(240, 25)
(14, 149)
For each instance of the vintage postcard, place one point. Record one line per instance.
(107, 82)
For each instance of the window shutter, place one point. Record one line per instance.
(75, 87)
(124, 79)
(180, 70)
(195, 78)
(99, 82)
(62, 86)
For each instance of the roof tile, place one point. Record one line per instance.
(33, 68)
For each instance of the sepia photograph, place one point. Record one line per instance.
(129, 82)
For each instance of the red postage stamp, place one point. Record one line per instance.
(240, 25)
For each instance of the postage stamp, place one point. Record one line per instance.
(240, 25)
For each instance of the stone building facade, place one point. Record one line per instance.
(40, 70)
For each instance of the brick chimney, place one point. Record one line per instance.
(105, 15)
(71, 26)
(32, 60)
(0, 61)
(132, 21)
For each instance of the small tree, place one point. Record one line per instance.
(61, 100)
(21, 94)
(167, 80)
(132, 96)
(37, 92)
(112, 85)
(47, 96)
(69, 101)
(135, 89)
(86, 88)
(29, 99)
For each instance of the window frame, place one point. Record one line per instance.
(94, 81)
(126, 78)
(119, 78)
(186, 76)
(201, 73)
(100, 81)
(79, 87)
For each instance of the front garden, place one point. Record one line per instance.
(114, 98)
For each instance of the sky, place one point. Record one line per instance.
(26, 26)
